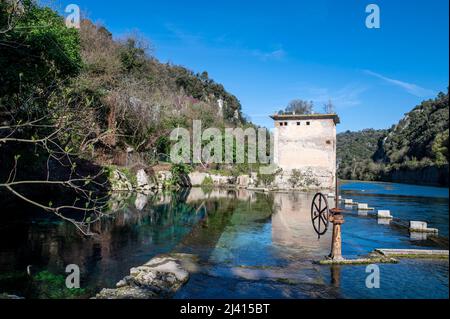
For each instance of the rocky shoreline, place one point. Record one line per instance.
(147, 180)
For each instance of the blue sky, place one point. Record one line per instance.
(270, 52)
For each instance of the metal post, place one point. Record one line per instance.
(336, 243)
(336, 199)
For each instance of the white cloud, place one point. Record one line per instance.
(346, 96)
(411, 88)
(222, 44)
(272, 55)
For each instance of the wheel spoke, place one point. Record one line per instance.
(323, 220)
(319, 226)
(317, 208)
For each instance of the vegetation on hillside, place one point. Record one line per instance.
(73, 101)
(419, 140)
(355, 151)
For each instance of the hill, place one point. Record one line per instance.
(355, 152)
(418, 144)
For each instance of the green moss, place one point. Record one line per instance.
(418, 256)
(53, 286)
(286, 281)
(363, 261)
(208, 181)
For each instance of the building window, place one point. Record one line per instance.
(329, 142)
(285, 123)
(308, 123)
(298, 123)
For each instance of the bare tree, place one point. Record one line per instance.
(329, 108)
(48, 135)
(300, 107)
(13, 8)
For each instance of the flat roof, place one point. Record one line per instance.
(293, 117)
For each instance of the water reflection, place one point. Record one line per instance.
(292, 227)
(244, 239)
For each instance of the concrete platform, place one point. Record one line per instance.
(413, 253)
(421, 227)
(386, 214)
(360, 261)
(362, 206)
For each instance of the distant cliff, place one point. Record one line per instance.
(413, 151)
(431, 175)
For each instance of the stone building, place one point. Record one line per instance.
(306, 146)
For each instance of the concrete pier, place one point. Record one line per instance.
(413, 253)
(421, 227)
(384, 214)
(363, 206)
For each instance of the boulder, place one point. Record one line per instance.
(197, 178)
(243, 181)
(163, 178)
(119, 182)
(144, 182)
(161, 277)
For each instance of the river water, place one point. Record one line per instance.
(249, 245)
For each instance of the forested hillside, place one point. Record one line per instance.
(419, 141)
(355, 151)
(74, 102)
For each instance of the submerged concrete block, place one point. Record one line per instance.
(421, 227)
(363, 213)
(384, 214)
(415, 236)
(362, 206)
(348, 201)
(384, 221)
(418, 226)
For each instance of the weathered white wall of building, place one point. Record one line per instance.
(308, 148)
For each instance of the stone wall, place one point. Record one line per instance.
(308, 148)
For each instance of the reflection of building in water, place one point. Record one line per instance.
(292, 227)
(306, 143)
(197, 194)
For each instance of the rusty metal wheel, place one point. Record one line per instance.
(320, 214)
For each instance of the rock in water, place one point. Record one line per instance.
(161, 277)
(143, 181)
(119, 182)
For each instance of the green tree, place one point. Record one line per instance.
(37, 51)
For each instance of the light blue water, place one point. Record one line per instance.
(249, 245)
(406, 202)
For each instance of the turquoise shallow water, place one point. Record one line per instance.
(249, 245)
(406, 202)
